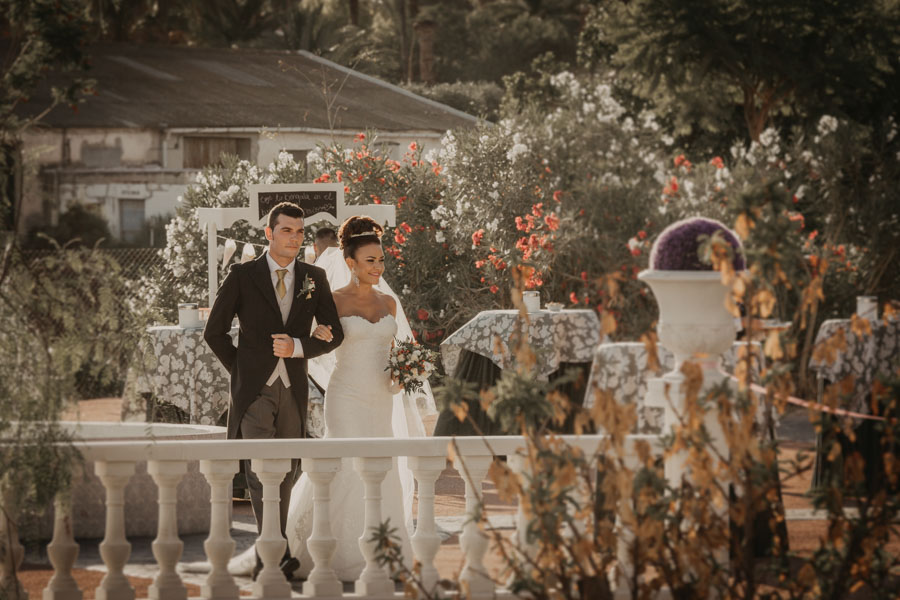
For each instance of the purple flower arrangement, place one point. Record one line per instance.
(677, 247)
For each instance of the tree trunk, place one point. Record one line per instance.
(404, 44)
(425, 31)
(354, 12)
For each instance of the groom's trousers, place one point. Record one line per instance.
(273, 415)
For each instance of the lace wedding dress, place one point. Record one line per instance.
(358, 403)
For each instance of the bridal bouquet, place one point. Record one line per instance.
(410, 365)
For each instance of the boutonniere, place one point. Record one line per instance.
(309, 286)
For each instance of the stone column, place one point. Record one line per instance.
(167, 547)
(322, 581)
(426, 542)
(473, 542)
(373, 580)
(219, 546)
(270, 545)
(62, 551)
(11, 551)
(114, 549)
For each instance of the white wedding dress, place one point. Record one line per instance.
(358, 403)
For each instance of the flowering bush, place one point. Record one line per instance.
(553, 198)
(184, 277)
(411, 365)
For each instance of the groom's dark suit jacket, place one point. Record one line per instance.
(248, 293)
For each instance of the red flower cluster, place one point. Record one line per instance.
(717, 162)
(536, 280)
(681, 161)
(477, 237)
(552, 222)
(672, 188)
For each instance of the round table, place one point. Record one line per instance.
(843, 350)
(621, 368)
(479, 350)
(184, 372)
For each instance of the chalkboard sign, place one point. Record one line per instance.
(324, 200)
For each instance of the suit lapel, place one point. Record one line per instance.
(299, 280)
(263, 278)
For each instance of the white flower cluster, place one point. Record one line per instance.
(410, 365)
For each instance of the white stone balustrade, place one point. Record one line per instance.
(320, 459)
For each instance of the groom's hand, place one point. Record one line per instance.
(282, 345)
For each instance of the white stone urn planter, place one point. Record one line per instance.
(694, 322)
(693, 319)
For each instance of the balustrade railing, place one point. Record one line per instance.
(115, 463)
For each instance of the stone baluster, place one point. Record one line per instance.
(11, 551)
(167, 547)
(426, 542)
(62, 551)
(322, 581)
(270, 545)
(114, 549)
(519, 465)
(219, 546)
(473, 541)
(374, 580)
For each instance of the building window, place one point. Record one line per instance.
(299, 156)
(202, 152)
(131, 220)
(389, 149)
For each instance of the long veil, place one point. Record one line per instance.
(406, 420)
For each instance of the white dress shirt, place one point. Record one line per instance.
(284, 304)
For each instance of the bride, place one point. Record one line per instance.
(359, 402)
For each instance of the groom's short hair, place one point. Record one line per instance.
(288, 209)
(327, 235)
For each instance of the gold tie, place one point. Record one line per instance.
(280, 287)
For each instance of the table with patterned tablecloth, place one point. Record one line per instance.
(861, 355)
(187, 374)
(843, 350)
(621, 367)
(479, 350)
(557, 337)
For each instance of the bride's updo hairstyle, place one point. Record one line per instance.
(357, 232)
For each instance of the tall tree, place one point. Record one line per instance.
(805, 57)
(36, 36)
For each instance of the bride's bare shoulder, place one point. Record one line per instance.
(388, 300)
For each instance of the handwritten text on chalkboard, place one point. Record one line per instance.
(312, 202)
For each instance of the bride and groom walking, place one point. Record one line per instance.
(276, 298)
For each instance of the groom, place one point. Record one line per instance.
(275, 298)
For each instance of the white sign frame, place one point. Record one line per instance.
(215, 219)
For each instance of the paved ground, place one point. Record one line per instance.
(795, 429)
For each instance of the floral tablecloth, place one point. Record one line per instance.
(863, 356)
(556, 337)
(186, 373)
(622, 368)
